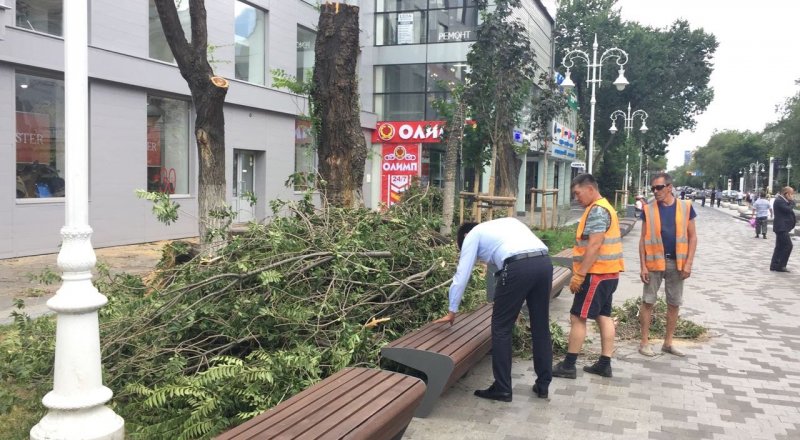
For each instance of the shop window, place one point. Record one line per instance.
(400, 5)
(250, 43)
(400, 28)
(442, 4)
(400, 106)
(159, 49)
(306, 43)
(46, 16)
(305, 155)
(400, 78)
(39, 136)
(167, 145)
(450, 25)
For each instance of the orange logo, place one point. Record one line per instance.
(386, 132)
(400, 152)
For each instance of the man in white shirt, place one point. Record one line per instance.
(526, 275)
(761, 209)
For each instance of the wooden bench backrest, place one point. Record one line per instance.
(355, 403)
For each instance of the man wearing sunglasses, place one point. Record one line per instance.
(666, 251)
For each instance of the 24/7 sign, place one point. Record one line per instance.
(400, 163)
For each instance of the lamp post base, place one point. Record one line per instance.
(96, 423)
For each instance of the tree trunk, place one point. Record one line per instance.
(454, 137)
(508, 166)
(342, 148)
(208, 96)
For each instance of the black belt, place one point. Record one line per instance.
(522, 256)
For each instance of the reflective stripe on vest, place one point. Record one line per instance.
(609, 258)
(655, 258)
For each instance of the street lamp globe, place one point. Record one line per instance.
(613, 128)
(567, 84)
(621, 82)
(644, 127)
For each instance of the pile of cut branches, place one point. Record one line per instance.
(208, 343)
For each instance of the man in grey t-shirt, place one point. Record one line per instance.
(761, 209)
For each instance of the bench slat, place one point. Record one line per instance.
(356, 403)
(446, 339)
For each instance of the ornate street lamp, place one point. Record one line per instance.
(788, 171)
(594, 73)
(627, 125)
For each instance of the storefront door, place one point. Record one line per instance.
(243, 185)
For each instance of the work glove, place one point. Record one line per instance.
(576, 282)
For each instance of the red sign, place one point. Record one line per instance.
(398, 132)
(34, 143)
(153, 145)
(399, 165)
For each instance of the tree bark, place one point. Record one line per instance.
(342, 149)
(454, 136)
(208, 96)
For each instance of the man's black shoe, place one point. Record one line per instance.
(490, 393)
(559, 370)
(783, 269)
(539, 393)
(598, 370)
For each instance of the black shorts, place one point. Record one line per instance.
(594, 298)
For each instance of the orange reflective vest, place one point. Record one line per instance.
(654, 245)
(609, 259)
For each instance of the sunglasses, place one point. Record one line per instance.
(658, 187)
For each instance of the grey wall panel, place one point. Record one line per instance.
(36, 227)
(121, 26)
(16, 48)
(7, 161)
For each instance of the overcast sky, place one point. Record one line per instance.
(755, 66)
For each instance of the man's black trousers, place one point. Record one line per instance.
(528, 280)
(783, 248)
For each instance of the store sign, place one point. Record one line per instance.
(564, 136)
(412, 131)
(34, 142)
(581, 165)
(454, 36)
(400, 163)
(405, 28)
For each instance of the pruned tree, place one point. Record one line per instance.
(503, 67)
(208, 92)
(454, 110)
(341, 146)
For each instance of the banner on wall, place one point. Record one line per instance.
(400, 163)
(34, 142)
(153, 145)
(399, 132)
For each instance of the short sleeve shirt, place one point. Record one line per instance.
(762, 207)
(667, 216)
(598, 220)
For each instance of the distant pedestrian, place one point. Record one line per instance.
(762, 211)
(638, 206)
(739, 197)
(719, 197)
(596, 264)
(713, 195)
(666, 252)
(683, 194)
(784, 221)
(702, 198)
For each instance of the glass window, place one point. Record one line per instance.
(305, 156)
(46, 16)
(306, 43)
(159, 49)
(442, 4)
(400, 5)
(167, 145)
(400, 28)
(445, 25)
(447, 73)
(250, 43)
(39, 136)
(400, 78)
(401, 107)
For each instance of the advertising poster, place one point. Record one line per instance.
(34, 143)
(400, 164)
(153, 145)
(405, 28)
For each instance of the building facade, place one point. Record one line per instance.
(141, 117)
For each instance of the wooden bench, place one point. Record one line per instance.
(626, 225)
(355, 403)
(563, 258)
(444, 352)
(561, 277)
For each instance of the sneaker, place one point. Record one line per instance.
(645, 350)
(765, 237)
(560, 370)
(672, 350)
(598, 370)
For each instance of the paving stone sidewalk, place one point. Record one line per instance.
(743, 383)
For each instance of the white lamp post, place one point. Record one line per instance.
(627, 125)
(788, 171)
(76, 405)
(754, 168)
(594, 73)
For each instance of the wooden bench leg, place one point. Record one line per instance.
(436, 367)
